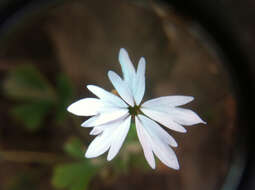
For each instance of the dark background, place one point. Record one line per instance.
(232, 25)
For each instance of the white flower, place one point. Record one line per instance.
(112, 116)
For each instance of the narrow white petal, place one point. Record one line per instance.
(100, 128)
(165, 154)
(96, 131)
(145, 142)
(121, 87)
(139, 82)
(85, 107)
(110, 124)
(167, 101)
(118, 138)
(90, 121)
(105, 117)
(100, 144)
(164, 119)
(159, 147)
(107, 96)
(127, 67)
(156, 130)
(111, 137)
(185, 116)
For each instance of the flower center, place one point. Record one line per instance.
(134, 110)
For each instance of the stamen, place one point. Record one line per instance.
(114, 92)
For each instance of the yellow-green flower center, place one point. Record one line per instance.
(134, 110)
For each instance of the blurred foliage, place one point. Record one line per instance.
(130, 158)
(65, 94)
(75, 175)
(32, 114)
(130, 154)
(25, 82)
(36, 97)
(73, 147)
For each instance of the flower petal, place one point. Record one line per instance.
(156, 130)
(114, 123)
(100, 144)
(165, 154)
(86, 107)
(111, 137)
(118, 138)
(96, 131)
(121, 87)
(159, 147)
(127, 67)
(139, 82)
(105, 117)
(145, 142)
(107, 96)
(185, 116)
(164, 119)
(167, 101)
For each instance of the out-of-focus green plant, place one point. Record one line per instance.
(31, 114)
(75, 175)
(25, 82)
(65, 92)
(74, 148)
(36, 97)
(130, 154)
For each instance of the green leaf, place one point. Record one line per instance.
(74, 148)
(65, 93)
(74, 176)
(31, 114)
(26, 82)
(64, 87)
